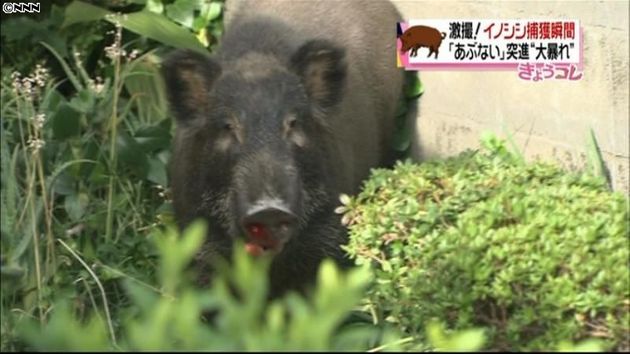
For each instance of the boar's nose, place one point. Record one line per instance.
(269, 223)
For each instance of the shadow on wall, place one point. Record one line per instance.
(413, 115)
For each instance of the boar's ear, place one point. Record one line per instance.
(322, 68)
(189, 76)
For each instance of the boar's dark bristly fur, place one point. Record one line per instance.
(290, 112)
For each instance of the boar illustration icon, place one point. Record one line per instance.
(421, 36)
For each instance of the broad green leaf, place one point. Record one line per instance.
(144, 23)
(12, 271)
(155, 6)
(403, 108)
(595, 159)
(131, 155)
(64, 184)
(328, 279)
(467, 341)
(192, 240)
(9, 196)
(54, 336)
(586, 346)
(515, 149)
(157, 27)
(66, 122)
(212, 11)
(98, 176)
(140, 295)
(202, 36)
(157, 172)
(153, 138)
(160, 29)
(79, 11)
(20, 27)
(402, 139)
(414, 88)
(145, 86)
(52, 101)
(199, 26)
(75, 205)
(83, 102)
(182, 12)
(75, 81)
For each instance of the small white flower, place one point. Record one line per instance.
(344, 199)
(112, 52)
(35, 144)
(75, 230)
(134, 53)
(38, 120)
(40, 75)
(340, 210)
(111, 17)
(96, 86)
(77, 57)
(27, 86)
(115, 51)
(16, 81)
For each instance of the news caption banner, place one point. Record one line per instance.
(538, 50)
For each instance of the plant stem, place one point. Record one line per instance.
(38, 272)
(28, 110)
(100, 286)
(112, 146)
(50, 247)
(29, 191)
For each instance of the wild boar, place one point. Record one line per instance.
(421, 36)
(294, 108)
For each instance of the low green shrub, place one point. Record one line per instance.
(533, 254)
(170, 319)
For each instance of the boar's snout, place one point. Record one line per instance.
(267, 199)
(268, 225)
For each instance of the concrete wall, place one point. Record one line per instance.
(550, 119)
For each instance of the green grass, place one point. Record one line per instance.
(83, 178)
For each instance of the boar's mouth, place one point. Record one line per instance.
(259, 242)
(268, 227)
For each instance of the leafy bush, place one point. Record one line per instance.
(171, 320)
(534, 254)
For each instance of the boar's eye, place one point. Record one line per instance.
(230, 123)
(291, 122)
(228, 126)
(228, 133)
(295, 135)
